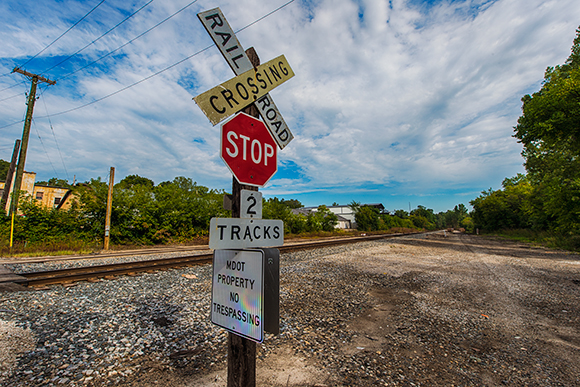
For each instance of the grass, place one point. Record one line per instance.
(47, 248)
(542, 238)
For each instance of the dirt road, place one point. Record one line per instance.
(432, 311)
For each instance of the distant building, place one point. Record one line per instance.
(46, 196)
(345, 214)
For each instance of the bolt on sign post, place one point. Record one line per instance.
(242, 264)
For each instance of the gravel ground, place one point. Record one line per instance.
(413, 311)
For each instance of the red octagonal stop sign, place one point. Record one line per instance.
(248, 149)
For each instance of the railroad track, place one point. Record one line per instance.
(109, 271)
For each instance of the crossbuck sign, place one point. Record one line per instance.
(250, 86)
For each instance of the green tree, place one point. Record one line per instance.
(420, 221)
(4, 166)
(55, 182)
(423, 217)
(184, 208)
(452, 218)
(549, 130)
(135, 180)
(292, 203)
(327, 219)
(503, 209)
(425, 212)
(367, 218)
(275, 208)
(402, 214)
(143, 214)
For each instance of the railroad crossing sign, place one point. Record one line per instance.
(232, 96)
(248, 150)
(225, 39)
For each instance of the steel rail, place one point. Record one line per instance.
(59, 276)
(69, 275)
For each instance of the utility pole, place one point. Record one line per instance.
(25, 133)
(9, 175)
(109, 206)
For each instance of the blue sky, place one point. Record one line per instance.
(398, 102)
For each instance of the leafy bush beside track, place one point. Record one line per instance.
(142, 214)
(177, 211)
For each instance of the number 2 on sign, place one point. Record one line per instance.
(251, 203)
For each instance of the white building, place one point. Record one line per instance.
(344, 213)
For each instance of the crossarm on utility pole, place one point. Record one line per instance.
(30, 75)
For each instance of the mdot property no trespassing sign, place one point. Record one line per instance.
(238, 292)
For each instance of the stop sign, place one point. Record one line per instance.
(248, 149)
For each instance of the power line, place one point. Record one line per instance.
(131, 85)
(14, 96)
(27, 74)
(10, 87)
(45, 151)
(157, 73)
(265, 16)
(64, 33)
(13, 123)
(130, 41)
(54, 135)
(97, 39)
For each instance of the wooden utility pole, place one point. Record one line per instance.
(8, 182)
(242, 351)
(109, 206)
(25, 133)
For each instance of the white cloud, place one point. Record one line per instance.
(387, 93)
